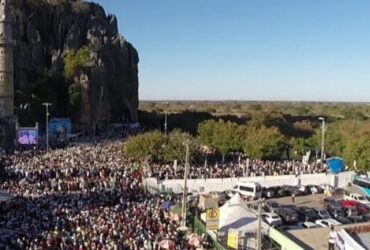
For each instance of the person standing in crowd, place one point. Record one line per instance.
(332, 238)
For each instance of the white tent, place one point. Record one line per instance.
(235, 214)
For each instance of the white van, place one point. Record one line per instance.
(249, 189)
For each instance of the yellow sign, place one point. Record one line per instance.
(233, 239)
(213, 218)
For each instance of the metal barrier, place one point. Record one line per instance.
(200, 228)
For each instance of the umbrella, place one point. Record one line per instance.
(167, 244)
(195, 240)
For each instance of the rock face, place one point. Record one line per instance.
(45, 32)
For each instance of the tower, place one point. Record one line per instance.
(6, 62)
(7, 119)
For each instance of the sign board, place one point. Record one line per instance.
(27, 136)
(212, 219)
(233, 238)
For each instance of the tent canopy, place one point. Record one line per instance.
(336, 165)
(235, 214)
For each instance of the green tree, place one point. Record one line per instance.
(221, 135)
(263, 142)
(146, 146)
(175, 149)
(358, 149)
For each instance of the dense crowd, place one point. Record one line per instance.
(235, 169)
(87, 196)
(90, 196)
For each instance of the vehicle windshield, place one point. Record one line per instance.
(275, 217)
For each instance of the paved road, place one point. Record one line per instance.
(314, 201)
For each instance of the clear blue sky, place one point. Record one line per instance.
(249, 49)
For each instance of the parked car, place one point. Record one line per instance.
(327, 223)
(272, 219)
(288, 215)
(293, 190)
(357, 197)
(331, 203)
(315, 189)
(344, 220)
(326, 187)
(309, 214)
(268, 193)
(282, 191)
(361, 208)
(273, 191)
(356, 219)
(350, 211)
(305, 190)
(336, 212)
(291, 227)
(322, 213)
(308, 224)
(366, 217)
(271, 206)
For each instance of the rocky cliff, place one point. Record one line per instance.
(104, 88)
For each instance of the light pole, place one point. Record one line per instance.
(47, 104)
(322, 140)
(165, 118)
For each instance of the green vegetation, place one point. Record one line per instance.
(76, 61)
(270, 130)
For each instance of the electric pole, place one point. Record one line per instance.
(185, 191)
(322, 141)
(47, 104)
(259, 236)
(165, 118)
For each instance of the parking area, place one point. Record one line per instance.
(314, 200)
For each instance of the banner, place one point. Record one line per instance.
(213, 218)
(233, 238)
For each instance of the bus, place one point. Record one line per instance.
(362, 182)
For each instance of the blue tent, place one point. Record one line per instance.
(336, 165)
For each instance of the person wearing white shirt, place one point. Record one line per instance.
(332, 238)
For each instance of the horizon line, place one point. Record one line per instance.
(251, 100)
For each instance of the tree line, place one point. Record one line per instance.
(263, 137)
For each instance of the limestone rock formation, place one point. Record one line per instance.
(47, 30)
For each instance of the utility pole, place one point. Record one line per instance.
(259, 230)
(259, 235)
(185, 191)
(165, 118)
(47, 104)
(322, 141)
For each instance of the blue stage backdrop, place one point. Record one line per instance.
(60, 126)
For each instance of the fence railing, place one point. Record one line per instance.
(200, 228)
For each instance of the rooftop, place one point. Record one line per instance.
(317, 238)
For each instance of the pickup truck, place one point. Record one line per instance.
(357, 197)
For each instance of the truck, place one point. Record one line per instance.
(357, 197)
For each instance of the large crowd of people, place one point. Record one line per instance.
(90, 196)
(236, 169)
(83, 197)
